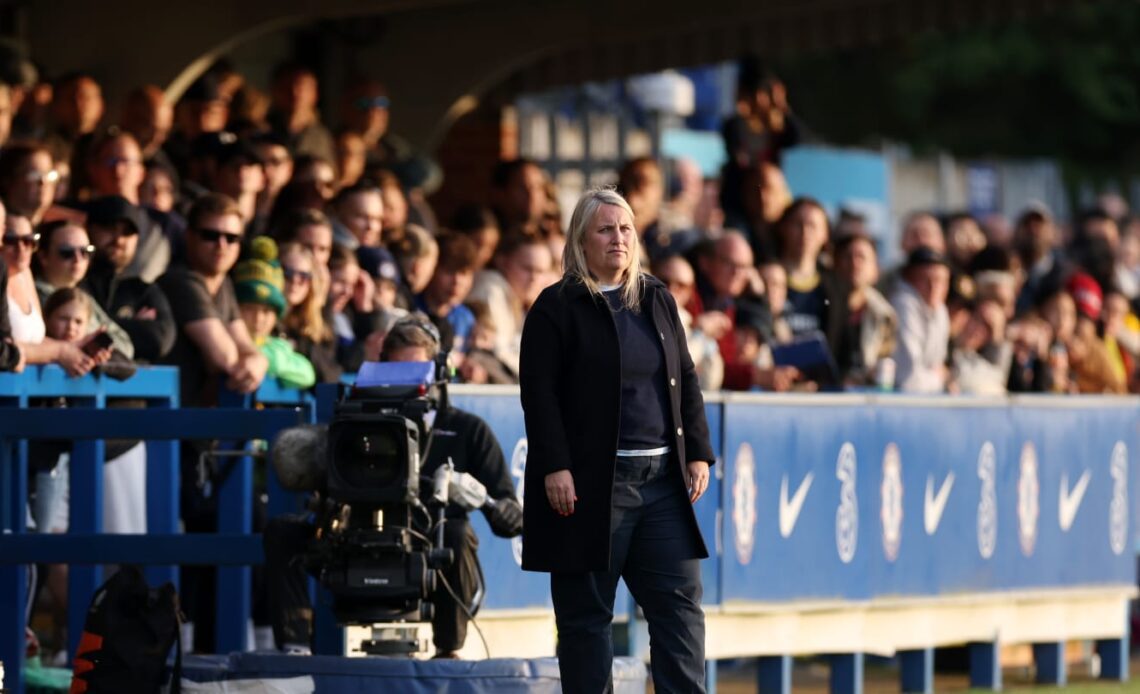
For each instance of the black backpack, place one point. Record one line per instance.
(127, 636)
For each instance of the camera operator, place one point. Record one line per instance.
(458, 436)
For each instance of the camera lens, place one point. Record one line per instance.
(370, 458)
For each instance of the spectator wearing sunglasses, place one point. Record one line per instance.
(28, 181)
(305, 290)
(11, 359)
(212, 340)
(139, 307)
(364, 110)
(25, 316)
(62, 261)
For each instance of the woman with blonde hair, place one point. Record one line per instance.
(306, 288)
(619, 452)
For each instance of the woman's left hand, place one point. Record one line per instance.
(697, 479)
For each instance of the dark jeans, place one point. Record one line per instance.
(287, 593)
(654, 550)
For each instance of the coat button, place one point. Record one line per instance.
(673, 382)
(678, 431)
(662, 336)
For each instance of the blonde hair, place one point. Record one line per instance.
(306, 318)
(574, 256)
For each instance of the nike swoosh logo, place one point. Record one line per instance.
(790, 510)
(936, 503)
(1069, 502)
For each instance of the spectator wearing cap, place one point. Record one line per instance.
(115, 167)
(442, 299)
(62, 261)
(524, 267)
(138, 306)
(238, 174)
(258, 284)
(919, 229)
(293, 114)
(803, 233)
(1089, 358)
(862, 326)
(924, 323)
(304, 325)
(358, 215)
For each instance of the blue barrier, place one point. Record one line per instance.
(840, 524)
(162, 424)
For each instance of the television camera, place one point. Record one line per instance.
(378, 547)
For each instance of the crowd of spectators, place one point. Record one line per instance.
(234, 235)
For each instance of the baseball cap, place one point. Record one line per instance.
(924, 255)
(111, 209)
(1086, 294)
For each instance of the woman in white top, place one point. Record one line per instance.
(28, 330)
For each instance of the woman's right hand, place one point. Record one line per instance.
(560, 492)
(73, 360)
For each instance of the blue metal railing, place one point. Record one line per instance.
(162, 424)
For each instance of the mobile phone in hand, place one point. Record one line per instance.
(97, 343)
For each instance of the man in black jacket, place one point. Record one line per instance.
(139, 307)
(458, 436)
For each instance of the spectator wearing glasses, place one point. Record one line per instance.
(11, 358)
(304, 325)
(63, 258)
(27, 181)
(364, 110)
(139, 307)
(115, 167)
(28, 330)
(212, 347)
(212, 340)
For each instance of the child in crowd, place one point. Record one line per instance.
(258, 283)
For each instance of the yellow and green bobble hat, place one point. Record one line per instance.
(259, 279)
